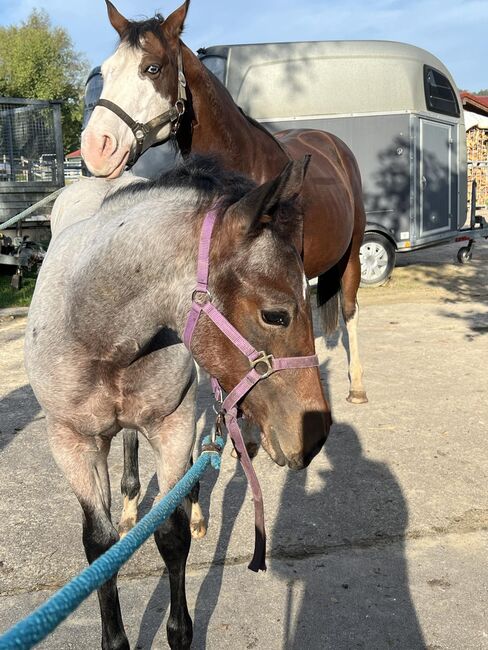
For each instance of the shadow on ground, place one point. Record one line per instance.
(361, 503)
(355, 503)
(17, 409)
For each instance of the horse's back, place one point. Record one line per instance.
(82, 200)
(332, 196)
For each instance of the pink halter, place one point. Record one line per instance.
(262, 365)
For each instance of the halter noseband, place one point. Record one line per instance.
(262, 365)
(145, 133)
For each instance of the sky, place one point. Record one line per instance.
(452, 30)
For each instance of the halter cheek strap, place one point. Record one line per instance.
(262, 365)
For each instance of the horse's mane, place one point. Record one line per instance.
(208, 180)
(202, 174)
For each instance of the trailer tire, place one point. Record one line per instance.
(464, 255)
(377, 256)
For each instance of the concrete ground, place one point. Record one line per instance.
(381, 543)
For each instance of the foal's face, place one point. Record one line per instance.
(142, 79)
(258, 283)
(269, 304)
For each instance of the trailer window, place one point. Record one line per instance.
(216, 65)
(439, 93)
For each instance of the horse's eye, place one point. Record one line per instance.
(153, 69)
(280, 317)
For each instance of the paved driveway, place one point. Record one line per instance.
(381, 543)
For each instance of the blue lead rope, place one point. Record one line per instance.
(35, 627)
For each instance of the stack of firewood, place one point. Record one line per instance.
(477, 144)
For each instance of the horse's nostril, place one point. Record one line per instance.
(108, 146)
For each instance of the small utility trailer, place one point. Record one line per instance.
(395, 105)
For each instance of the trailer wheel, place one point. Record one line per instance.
(377, 256)
(464, 255)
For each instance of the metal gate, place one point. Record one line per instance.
(31, 153)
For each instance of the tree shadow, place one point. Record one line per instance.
(359, 597)
(17, 410)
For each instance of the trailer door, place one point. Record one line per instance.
(437, 177)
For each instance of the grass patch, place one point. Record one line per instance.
(11, 297)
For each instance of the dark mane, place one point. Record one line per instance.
(202, 173)
(137, 29)
(211, 180)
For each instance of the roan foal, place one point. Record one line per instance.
(103, 345)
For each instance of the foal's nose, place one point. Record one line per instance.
(316, 425)
(302, 460)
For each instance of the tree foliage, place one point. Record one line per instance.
(37, 61)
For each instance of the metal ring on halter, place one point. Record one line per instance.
(205, 292)
(263, 358)
(180, 107)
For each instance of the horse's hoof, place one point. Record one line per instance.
(357, 397)
(129, 515)
(198, 529)
(198, 525)
(125, 526)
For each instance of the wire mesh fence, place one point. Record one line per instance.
(30, 141)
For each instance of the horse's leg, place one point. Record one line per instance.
(350, 312)
(130, 485)
(83, 460)
(198, 525)
(343, 280)
(172, 441)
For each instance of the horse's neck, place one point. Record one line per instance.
(220, 127)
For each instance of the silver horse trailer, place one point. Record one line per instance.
(398, 109)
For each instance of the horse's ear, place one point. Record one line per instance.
(259, 206)
(118, 22)
(175, 22)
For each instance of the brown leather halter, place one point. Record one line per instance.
(145, 133)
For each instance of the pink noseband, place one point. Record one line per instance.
(262, 365)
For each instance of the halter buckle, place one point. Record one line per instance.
(140, 131)
(265, 359)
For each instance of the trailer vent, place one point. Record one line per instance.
(439, 94)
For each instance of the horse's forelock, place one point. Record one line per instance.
(138, 29)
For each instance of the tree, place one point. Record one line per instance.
(37, 61)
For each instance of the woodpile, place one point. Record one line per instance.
(477, 145)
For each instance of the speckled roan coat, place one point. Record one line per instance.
(103, 348)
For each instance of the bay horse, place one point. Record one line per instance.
(155, 88)
(103, 344)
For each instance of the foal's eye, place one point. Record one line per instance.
(280, 317)
(153, 69)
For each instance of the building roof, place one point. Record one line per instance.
(475, 103)
(74, 154)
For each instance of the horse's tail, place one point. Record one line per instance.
(328, 293)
